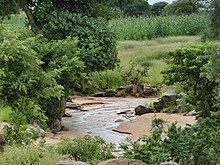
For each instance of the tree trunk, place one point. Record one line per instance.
(30, 17)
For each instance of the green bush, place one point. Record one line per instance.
(4, 113)
(87, 149)
(147, 149)
(188, 68)
(196, 144)
(108, 79)
(96, 39)
(28, 155)
(23, 82)
(134, 74)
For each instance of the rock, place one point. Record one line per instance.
(169, 98)
(119, 120)
(128, 88)
(169, 163)
(165, 110)
(191, 113)
(134, 90)
(107, 93)
(123, 112)
(56, 126)
(67, 115)
(2, 140)
(122, 161)
(158, 105)
(72, 105)
(147, 89)
(36, 128)
(70, 162)
(140, 110)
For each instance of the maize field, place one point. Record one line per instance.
(141, 28)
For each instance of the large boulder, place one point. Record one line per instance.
(191, 113)
(140, 110)
(169, 98)
(72, 105)
(158, 105)
(70, 162)
(122, 161)
(169, 163)
(56, 126)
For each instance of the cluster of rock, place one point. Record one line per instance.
(160, 105)
(119, 161)
(143, 90)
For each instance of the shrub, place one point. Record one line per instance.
(148, 149)
(96, 39)
(187, 66)
(4, 113)
(196, 144)
(108, 79)
(134, 74)
(33, 155)
(23, 82)
(87, 149)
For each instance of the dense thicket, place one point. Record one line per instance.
(74, 40)
(187, 66)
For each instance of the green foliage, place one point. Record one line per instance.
(197, 144)
(87, 149)
(147, 149)
(4, 113)
(108, 79)
(215, 20)
(62, 56)
(96, 40)
(134, 74)
(178, 7)
(187, 67)
(20, 133)
(32, 155)
(8, 7)
(23, 83)
(92, 8)
(141, 28)
(158, 8)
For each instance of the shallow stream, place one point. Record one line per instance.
(100, 119)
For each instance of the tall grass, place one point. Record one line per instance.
(4, 113)
(140, 28)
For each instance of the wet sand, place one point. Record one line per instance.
(142, 124)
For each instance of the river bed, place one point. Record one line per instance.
(100, 119)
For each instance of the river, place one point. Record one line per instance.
(100, 119)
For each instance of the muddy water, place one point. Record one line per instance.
(100, 119)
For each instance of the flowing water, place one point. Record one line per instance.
(100, 119)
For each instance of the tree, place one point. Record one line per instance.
(157, 8)
(187, 66)
(183, 7)
(23, 84)
(141, 7)
(215, 19)
(74, 40)
(132, 7)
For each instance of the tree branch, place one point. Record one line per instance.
(30, 17)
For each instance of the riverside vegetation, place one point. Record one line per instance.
(60, 59)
